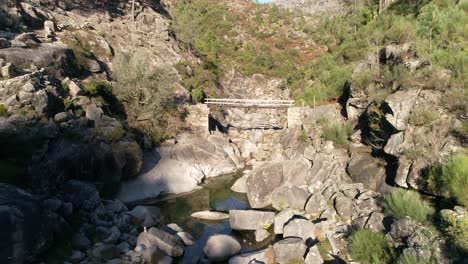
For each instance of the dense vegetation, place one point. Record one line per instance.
(371, 248)
(403, 203)
(280, 43)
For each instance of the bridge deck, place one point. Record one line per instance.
(250, 103)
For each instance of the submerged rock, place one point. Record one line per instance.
(145, 216)
(219, 248)
(210, 215)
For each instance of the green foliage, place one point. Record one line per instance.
(369, 247)
(97, 88)
(115, 134)
(338, 133)
(454, 176)
(3, 110)
(412, 258)
(457, 228)
(197, 95)
(147, 93)
(406, 203)
(303, 137)
(296, 261)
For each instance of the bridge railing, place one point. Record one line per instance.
(250, 102)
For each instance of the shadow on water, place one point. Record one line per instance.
(215, 195)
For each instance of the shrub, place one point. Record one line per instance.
(336, 133)
(97, 88)
(115, 134)
(197, 95)
(457, 228)
(402, 203)
(303, 137)
(371, 248)
(454, 176)
(423, 116)
(3, 110)
(412, 258)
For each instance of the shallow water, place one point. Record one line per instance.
(215, 195)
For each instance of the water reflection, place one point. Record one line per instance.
(215, 195)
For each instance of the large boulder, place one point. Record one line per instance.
(400, 105)
(169, 244)
(289, 195)
(250, 219)
(57, 60)
(180, 167)
(25, 229)
(262, 182)
(302, 228)
(220, 248)
(289, 249)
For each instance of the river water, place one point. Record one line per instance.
(215, 195)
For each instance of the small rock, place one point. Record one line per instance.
(175, 227)
(240, 185)
(145, 216)
(186, 237)
(281, 219)
(4, 43)
(261, 234)
(105, 252)
(75, 89)
(77, 256)
(28, 87)
(9, 71)
(289, 249)
(313, 257)
(52, 204)
(169, 244)
(62, 117)
(210, 215)
(123, 247)
(81, 242)
(219, 248)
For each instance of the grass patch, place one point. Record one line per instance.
(369, 247)
(454, 177)
(457, 229)
(3, 110)
(337, 133)
(405, 203)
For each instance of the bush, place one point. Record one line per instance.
(412, 258)
(369, 247)
(457, 228)
(336, 133)
(405, 203)
(115, 134)
(454, 176)
(3, 110)
(97, 88)
(197, 95)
